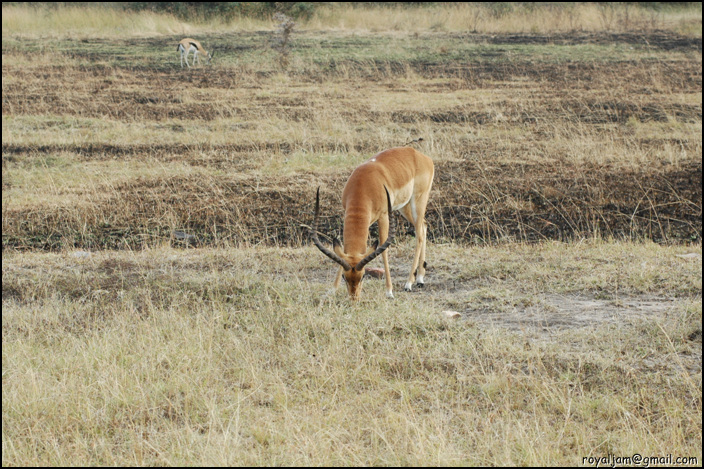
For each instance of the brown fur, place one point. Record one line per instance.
(408, 176)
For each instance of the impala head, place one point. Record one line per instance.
(353, 277)
(352, 263)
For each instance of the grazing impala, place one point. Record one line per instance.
(189, 45)
(395, 179)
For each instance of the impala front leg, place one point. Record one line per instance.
(331, 291)
(337, 279)
(383, 224)
(387, 274)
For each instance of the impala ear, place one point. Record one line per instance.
(375, 245)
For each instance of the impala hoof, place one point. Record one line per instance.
(408, 286)
(420, 284)
(389, 295)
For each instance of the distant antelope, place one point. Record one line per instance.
(189, 45)
(395, 179)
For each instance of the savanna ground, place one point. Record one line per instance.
(162, 304)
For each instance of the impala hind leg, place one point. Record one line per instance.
(415, 213)
(417, 273)
(420, 272)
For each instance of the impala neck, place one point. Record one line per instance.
(356, 232)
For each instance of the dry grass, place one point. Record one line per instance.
(229, 357)
(122, 347)
(71, 21)
(532, 141)
(505, 17)
(94, 21)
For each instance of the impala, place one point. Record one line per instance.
(188, 45)
(395, 179)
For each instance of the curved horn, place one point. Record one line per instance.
(314, 237)
(387, 243)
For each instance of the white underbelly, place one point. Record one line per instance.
(402, 196)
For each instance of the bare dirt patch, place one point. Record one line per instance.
(553, 313)
(558, 317)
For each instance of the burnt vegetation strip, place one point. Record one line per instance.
(569, 91)
(469, 204)
(664, 40)
(227, 155)
(587, 110)
(100, 81)
(161, 82)
(240, 155)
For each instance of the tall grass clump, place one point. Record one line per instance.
(488, 18)
(92, 21)
(497, 17)
(285, 28)
(96, 21)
